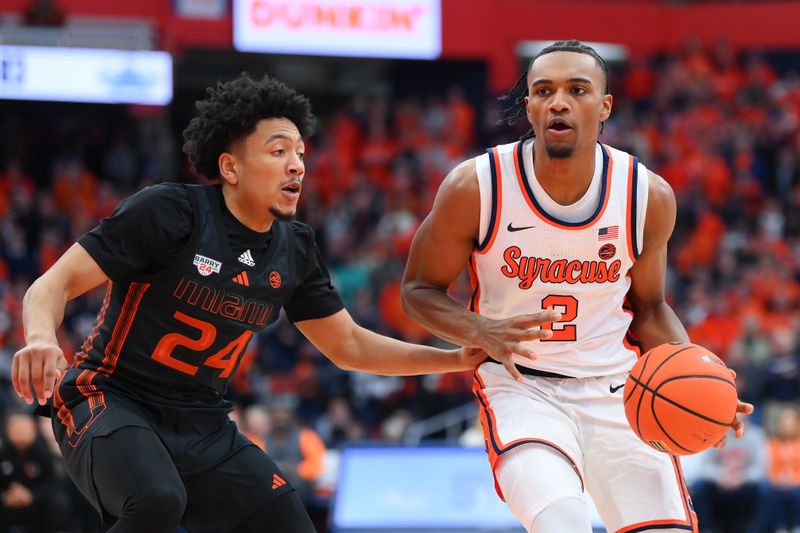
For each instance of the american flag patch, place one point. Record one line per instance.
(608, 233)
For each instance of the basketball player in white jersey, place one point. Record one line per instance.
(566, 227)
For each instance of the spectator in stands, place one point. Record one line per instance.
(781, 375)
(728, 496)
(338, 425)
(296, 449)
(783, 453)
(30, 496)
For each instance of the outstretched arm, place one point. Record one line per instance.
(352, 347)
(40, 360)
(438, 255)
(654, 321)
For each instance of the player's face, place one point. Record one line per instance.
(271, 167)
(565, 103)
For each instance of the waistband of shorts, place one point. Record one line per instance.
(526, 371)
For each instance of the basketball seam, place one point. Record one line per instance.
(644, 385)
(655, 393)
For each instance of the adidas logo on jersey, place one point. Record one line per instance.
(277, 481)
(247, 258)
(241, 278)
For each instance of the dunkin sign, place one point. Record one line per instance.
(355, 28)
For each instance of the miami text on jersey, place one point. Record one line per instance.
(223, 303)
(528, 269)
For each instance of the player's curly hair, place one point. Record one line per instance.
(233, 110)
(513, 112)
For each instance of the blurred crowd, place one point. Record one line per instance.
(722, 126)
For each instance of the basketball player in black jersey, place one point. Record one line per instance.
(191, 273)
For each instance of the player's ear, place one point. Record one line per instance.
(605, 108)
(227, 168)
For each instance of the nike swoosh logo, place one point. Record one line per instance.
(614, 389)
(519, 228)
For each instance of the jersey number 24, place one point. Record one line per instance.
(225, 359)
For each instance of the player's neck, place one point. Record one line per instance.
(564, 180)
(254, 219)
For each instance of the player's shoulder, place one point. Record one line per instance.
(165, 204)
(505, 148)
(299, 229)
(463, 178)
(160, 193)
(621, 158)
(658, 187)
(659, 191)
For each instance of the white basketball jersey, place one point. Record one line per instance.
(527, 259)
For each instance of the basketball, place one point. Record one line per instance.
(680, 398)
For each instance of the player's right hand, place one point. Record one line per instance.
(39, 363)
(502, 339)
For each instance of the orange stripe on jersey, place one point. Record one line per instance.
(497, 203)
(245, 278)
(63, 413)
(87, 344)
(95, 397)
(118, 336)
(123, 326)
(631, 227)
(494, 446)
(528, 194)
(688, 524)
(96, 408)
(84, 384)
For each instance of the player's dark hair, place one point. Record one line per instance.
(232, 111)
(513, 112)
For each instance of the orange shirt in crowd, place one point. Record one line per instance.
(784, 462)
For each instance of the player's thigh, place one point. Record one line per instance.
(76, 429)
(133, 473)
(516, 414)
(230, 492)
(633, 484)
(534, 478)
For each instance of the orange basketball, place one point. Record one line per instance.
(680, 398)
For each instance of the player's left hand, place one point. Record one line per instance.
(737, 425)
(470, 358)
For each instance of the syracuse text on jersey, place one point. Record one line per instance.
(528, 269)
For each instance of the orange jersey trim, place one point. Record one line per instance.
(474, 301)
(494, 446)
(633, 253)
(629, 340)
(497, 202)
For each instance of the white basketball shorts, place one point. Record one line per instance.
(633, 486)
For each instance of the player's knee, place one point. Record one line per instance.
(162, 504)
(568, 514)
(529, 496)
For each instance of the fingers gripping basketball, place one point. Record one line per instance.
(680, 398)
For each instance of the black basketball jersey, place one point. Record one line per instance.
(177, 336)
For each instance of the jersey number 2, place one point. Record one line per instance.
(568, 307)
(225, 359)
